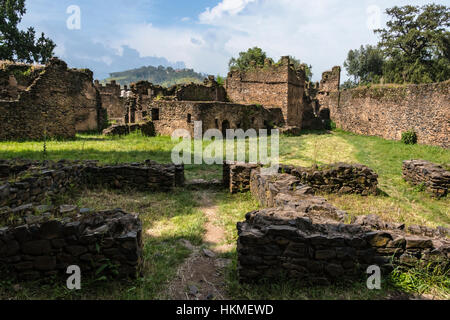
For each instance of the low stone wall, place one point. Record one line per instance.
(146, 128)
(51, 239)
(336, 178)
(48, 179)
(305, 238)
(340, 177)
(236, 175)
(434, 177)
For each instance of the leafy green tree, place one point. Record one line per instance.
(244, 61)
(365, 65)
(416, 43)
(18, 45)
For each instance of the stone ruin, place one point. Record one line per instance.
(47, 101)
(50, 239)
(433, 177)
(301, 236)
(39, 240)
(276, 95)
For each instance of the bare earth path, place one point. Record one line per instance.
(201, 276)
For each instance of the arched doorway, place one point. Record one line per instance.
(225, 127)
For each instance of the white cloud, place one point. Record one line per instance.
(224, 8)
(319, 32)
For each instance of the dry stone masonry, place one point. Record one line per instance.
(42, 241)
(46, 180)
(304, 238)
(47, 101)
(433, 177)
(335, 178)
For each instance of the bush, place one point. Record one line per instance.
(409, 137)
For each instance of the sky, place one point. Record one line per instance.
(115, 35)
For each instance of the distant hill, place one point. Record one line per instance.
(157, 75)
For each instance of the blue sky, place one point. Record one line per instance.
(204, 34)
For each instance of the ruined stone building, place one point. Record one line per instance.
(54, 101)
(260, 98)
(388, 110)
(47, 101)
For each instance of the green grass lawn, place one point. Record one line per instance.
(167, 218)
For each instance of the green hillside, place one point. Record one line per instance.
(157, 75)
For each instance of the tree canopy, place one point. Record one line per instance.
(365, 64)
(243, 62)
(413, 48)
(19, 45)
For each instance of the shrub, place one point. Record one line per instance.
(409, 137)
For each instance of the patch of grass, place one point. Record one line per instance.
(423, 279)
(232, 209)
(166, 219)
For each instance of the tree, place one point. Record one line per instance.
(299, 65)
(18, 45)
(365, 65)
(416, 43)
(245, 58)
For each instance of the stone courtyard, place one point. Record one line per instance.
(292, 231)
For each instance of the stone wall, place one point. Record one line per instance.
(389, 110)
(168, 116)
(335, 178)
(42, 181)
(112, 100)
(433, 177)
(236, 176)
(304, 238)
(210, 90)
(273, 86)
(54, 238)
(146, 128)
(58, 103)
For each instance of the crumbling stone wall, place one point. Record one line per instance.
(273, 86)
(340, 178)
(42, 181)
(112, 100)
(335, 178)
(433, 177)
(210, 90)
(305, 238)
(58, 103)
(50, 239)
(168, 116)
(389, 110)
(146, 128)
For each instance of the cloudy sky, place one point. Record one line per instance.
(114, 35)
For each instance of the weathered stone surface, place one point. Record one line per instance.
(304, 237)
(47, 101)
(18, 201)
(433, 177)
(48, 248)
(388, 111)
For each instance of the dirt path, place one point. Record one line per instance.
(201, 276)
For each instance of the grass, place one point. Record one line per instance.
(167, 218)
